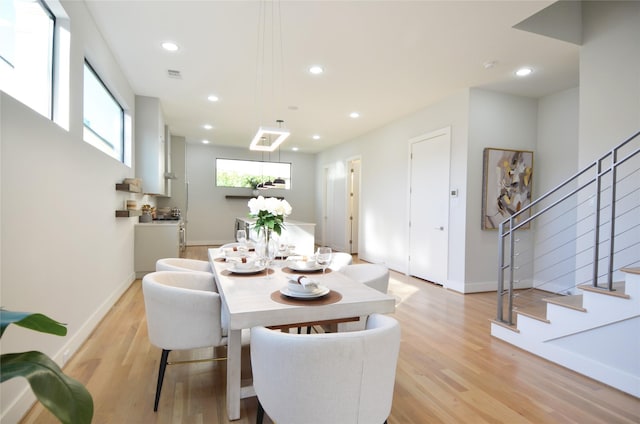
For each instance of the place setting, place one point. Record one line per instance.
(300, 264)
(305, 290)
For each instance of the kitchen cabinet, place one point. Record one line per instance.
(155, 241)
(150, 145)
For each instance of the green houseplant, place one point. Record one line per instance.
(67, 399)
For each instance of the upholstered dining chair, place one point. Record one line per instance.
(339, 260)
(373, 275)
(326, 378)
(183, 312)
(182, 264)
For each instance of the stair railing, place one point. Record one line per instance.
(567, 257)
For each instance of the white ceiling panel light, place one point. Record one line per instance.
(205, 141)
(316, 69)
(170, 46)
(523, 72)
(354, 115)
(315, 137)
(207, 126)
(213, 98)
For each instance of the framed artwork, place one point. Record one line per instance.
(506, 185)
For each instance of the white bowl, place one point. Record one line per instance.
(299, 288)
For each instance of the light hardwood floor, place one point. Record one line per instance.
(450, 370)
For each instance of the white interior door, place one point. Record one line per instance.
(429, 206)
(354, 205)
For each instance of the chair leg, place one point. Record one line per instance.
(309, 330)
(260, 414)
(163, 366)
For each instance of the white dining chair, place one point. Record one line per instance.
(183, 312)
(373, 275)
(326, 378)
(182, 264)
(339, 260)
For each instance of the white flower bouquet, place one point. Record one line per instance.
(269, 213)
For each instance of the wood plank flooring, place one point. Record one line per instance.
(450, 370)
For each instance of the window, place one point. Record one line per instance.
(103, 116)
(248, 173)
(26, 53)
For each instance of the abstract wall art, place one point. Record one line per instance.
(506, 185)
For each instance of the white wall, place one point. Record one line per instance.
(385, 177)
(63, 252)
(212, 217)
(609, 76)
(501, 121)
(610, 103)
(478, 119)
(556, 160)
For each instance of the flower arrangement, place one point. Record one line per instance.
(269, 213)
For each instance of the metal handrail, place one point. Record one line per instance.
(508, 227)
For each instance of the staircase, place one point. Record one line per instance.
(569, 272)
(596, 333)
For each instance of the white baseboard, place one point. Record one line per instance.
(16, 411)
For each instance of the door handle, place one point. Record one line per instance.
(440, 228)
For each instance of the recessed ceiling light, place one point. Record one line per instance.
(354, 115)
(316, 137)
(295, 149)
(205, 141)
(207, 126)
(170, 46)
(213, 98)
(523, 72)
(316, 69)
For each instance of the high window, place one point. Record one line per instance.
(249, 173)
(103, 116)
(26, 53)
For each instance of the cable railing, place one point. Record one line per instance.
(584, 231)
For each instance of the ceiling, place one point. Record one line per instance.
(383, 59)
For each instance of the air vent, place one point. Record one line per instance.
(172, 73)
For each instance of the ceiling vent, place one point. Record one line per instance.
(172, 73)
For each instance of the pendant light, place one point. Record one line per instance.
(269, 183)
(279, 182)
(275, 136)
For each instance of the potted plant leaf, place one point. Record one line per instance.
(67, 399)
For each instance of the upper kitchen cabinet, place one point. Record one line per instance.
(150, 145)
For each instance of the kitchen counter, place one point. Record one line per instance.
(302, 234)
(155, 240)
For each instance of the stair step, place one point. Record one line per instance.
(505, 325)
(618, 288)
(537, 311)
(571, 302)
(631, 270)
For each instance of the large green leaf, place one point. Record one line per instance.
(37, 322)
(65, 397)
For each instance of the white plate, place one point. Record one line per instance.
(297, 266)
(253, 270)
(319, 292)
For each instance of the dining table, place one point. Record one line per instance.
(260, 297)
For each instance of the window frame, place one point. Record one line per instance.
(109, 149)
(260, 176)
(52, 65)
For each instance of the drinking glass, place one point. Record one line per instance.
(323, 258)
(271, 248)
(241, 237)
